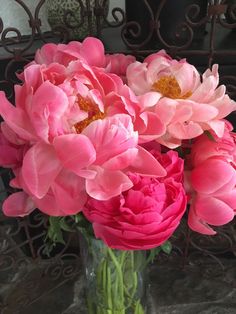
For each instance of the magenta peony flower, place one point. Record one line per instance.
(143, 217)
(212, 182)
(186, 103)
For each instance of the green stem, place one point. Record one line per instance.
(104, 281)
(109, 289)
(120, 275)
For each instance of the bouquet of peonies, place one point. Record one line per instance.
(126, 143)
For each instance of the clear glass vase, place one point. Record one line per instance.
(115, 279)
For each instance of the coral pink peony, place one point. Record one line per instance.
(184, 101)
(143, 217)
(212, 182)
(90, 51)
(61, 117)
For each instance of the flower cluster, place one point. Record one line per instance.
(99, 134)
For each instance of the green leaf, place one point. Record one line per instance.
(166, 247)
(65, 226)
(55, 230)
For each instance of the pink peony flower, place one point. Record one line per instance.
(212, 182)
(90, 51)
(143, 217)
(186, 103)
(60, 115)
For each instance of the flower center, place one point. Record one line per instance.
(93, 114)
(169, 87)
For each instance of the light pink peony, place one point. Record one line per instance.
(212, 182)
(61, 117)
(143, 217)
(186, 103)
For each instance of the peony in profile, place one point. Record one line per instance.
(212, 181)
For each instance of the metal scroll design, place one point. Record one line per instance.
(28, 270)
(158, 27)
(159, 23)
(32, 274)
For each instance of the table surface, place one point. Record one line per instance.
(204, 286)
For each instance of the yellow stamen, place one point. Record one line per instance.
(93, 114)
(169, 87)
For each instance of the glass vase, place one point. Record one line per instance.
(115, 279)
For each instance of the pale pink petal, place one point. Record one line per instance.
(165, 109)
(157, 55)
(202, 112)
(217, 126)
(169, 141)
(224, 106)
(40, 168)
(75, 151)
(145, 164)
(137, 80)
(149, 99)
(186, 76)
(156, 69)
(183, 112)
(107, 184)
(186, 130)
(214, 73)
(111, 136)
(205, 90)
(18, 204)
